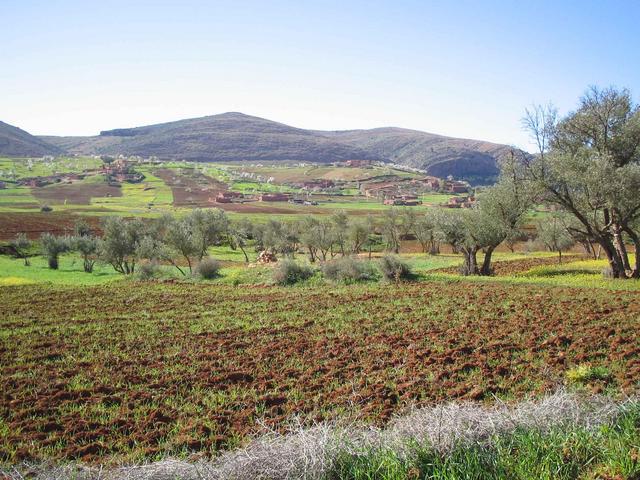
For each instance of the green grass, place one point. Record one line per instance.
(608, 452)
(15, 198)
(16, 168)
(14, 272)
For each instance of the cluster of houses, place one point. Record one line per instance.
(34, 182)
(117, 171)
(120, 171)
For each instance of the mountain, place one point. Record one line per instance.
(15, 142)
(238, 137)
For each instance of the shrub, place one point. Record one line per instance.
(349, 270)
(395, 269)
(585, 373)
(208, 268)
(148, 270)
(288, 272)
(46, 208)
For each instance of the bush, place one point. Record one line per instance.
(208, 268)
(46, 208)
(585, 373)
(148, 270)
(395, 269)
(288, 272)
(349, 270)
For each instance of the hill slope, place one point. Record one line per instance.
(238, 137)
(226, 137)
(15, 142)
(474, 160)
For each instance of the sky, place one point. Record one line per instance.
(459, 68)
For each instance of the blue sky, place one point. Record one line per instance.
(463, 68)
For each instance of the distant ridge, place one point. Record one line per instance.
(236, 137)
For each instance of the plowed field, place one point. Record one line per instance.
(127, 371)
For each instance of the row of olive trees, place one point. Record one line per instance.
(52, 246)
(182, 242)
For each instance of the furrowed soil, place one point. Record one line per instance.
(511, 267)
(35, 224)
(133, 371)
(74, 194)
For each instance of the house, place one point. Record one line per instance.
(357, 163)
(274, 197)
(432, 183)
(318, 184)
(456, 186)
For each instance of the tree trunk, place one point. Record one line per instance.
(615, 262)
(244, 252)
(618, 242)
(636, 244)
(470, 265)
(486, 263)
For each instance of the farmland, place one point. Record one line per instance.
(121, 374)
(114, 366)
(176, 186)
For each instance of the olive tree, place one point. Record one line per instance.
(88, 247)
(391, 229)
(424, 229)
(189, 237)
(552, 233)
(588, 164)
(52, 247)
(21, 245)
(120, 242)
(281, 237)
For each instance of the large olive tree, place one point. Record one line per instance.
(588, 163)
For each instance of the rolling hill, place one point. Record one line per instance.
(15, 142)
(238, 137)
(226, 137)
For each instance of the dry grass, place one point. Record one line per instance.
(311, 453)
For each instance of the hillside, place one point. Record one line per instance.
(473, 160)
(15, 142)
(235, 136)
(226, 137)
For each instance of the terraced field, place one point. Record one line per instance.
(115, 373)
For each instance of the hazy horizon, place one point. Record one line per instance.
(466, 70)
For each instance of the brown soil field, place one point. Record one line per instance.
(511, 267)
(75, 193)
(193, 189)
(131, 371)
(36, 223)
